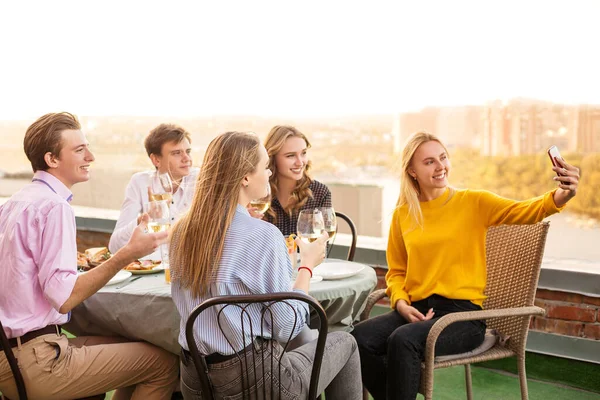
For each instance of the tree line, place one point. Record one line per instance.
(522, 177)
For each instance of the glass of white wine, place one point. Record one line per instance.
(160, 187)
(310, 225)
(158, 211)
(262, 204)
(159, 214)
(329, 221)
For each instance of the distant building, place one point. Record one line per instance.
(587, 138)
(524, 126)
(494, 138)
(406, 124)
(455, 126)
(460, 126)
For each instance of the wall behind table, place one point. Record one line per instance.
(105, 189)
(88, 239)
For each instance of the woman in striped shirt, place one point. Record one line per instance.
(292, 188)
(219, 249)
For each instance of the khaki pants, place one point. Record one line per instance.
(54, 367)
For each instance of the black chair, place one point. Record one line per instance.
(14, 365)
(242, 302)
(352, 248)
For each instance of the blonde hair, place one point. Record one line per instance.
(301, 193)
(409, 187)
(198, 237)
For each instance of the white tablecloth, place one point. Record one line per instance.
(144, 309)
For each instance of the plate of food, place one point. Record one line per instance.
(337, 270)
(97, 255)
(144, 267)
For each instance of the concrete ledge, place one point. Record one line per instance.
(564, 346)
(95, 224)
(564, 278)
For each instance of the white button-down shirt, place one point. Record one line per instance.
(136, 195)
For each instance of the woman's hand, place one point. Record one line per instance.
(411, 314)
(568, 181)
(312, 254)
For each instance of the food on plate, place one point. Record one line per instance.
(133, 266)
(97, 255)
(143, 265)
(82, 261)
(290, 241)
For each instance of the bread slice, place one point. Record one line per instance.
(82, 261)
(97, 255)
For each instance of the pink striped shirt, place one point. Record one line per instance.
(38, 255)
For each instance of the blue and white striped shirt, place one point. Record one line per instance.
(254, 261)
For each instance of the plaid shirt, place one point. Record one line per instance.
(321, 197)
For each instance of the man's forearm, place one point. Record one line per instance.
(89, 283)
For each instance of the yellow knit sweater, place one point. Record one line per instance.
(447, 256)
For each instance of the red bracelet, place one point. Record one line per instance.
(306, 268)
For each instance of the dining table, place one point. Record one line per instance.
(143, 309)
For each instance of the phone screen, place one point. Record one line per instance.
(553, 153)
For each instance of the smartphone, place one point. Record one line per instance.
(553, 153)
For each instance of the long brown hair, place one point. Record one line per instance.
(198, 237)
(409, 187)
(301, 193)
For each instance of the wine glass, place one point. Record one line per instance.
(329, 221)
(310, 225)
(158, 211)
(160, 187)
(262, 204)
(159, 214)
(330, 225)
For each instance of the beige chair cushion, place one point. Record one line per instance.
(490, 339)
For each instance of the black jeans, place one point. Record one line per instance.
(392, 349)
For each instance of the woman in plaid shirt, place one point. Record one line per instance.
(292, 188)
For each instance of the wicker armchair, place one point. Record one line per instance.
(514, 258)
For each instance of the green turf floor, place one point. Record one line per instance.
(449, 383)
(549, 378)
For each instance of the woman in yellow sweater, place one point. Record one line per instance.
(436, 264)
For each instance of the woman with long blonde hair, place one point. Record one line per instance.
(217, 248)
(436, 264)
(292, 188)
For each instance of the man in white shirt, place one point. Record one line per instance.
(168, 147)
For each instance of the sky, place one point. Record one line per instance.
(283, 58)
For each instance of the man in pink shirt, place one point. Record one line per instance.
(39, 285)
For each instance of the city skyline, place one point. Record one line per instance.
(515, 127)
(283, 60)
